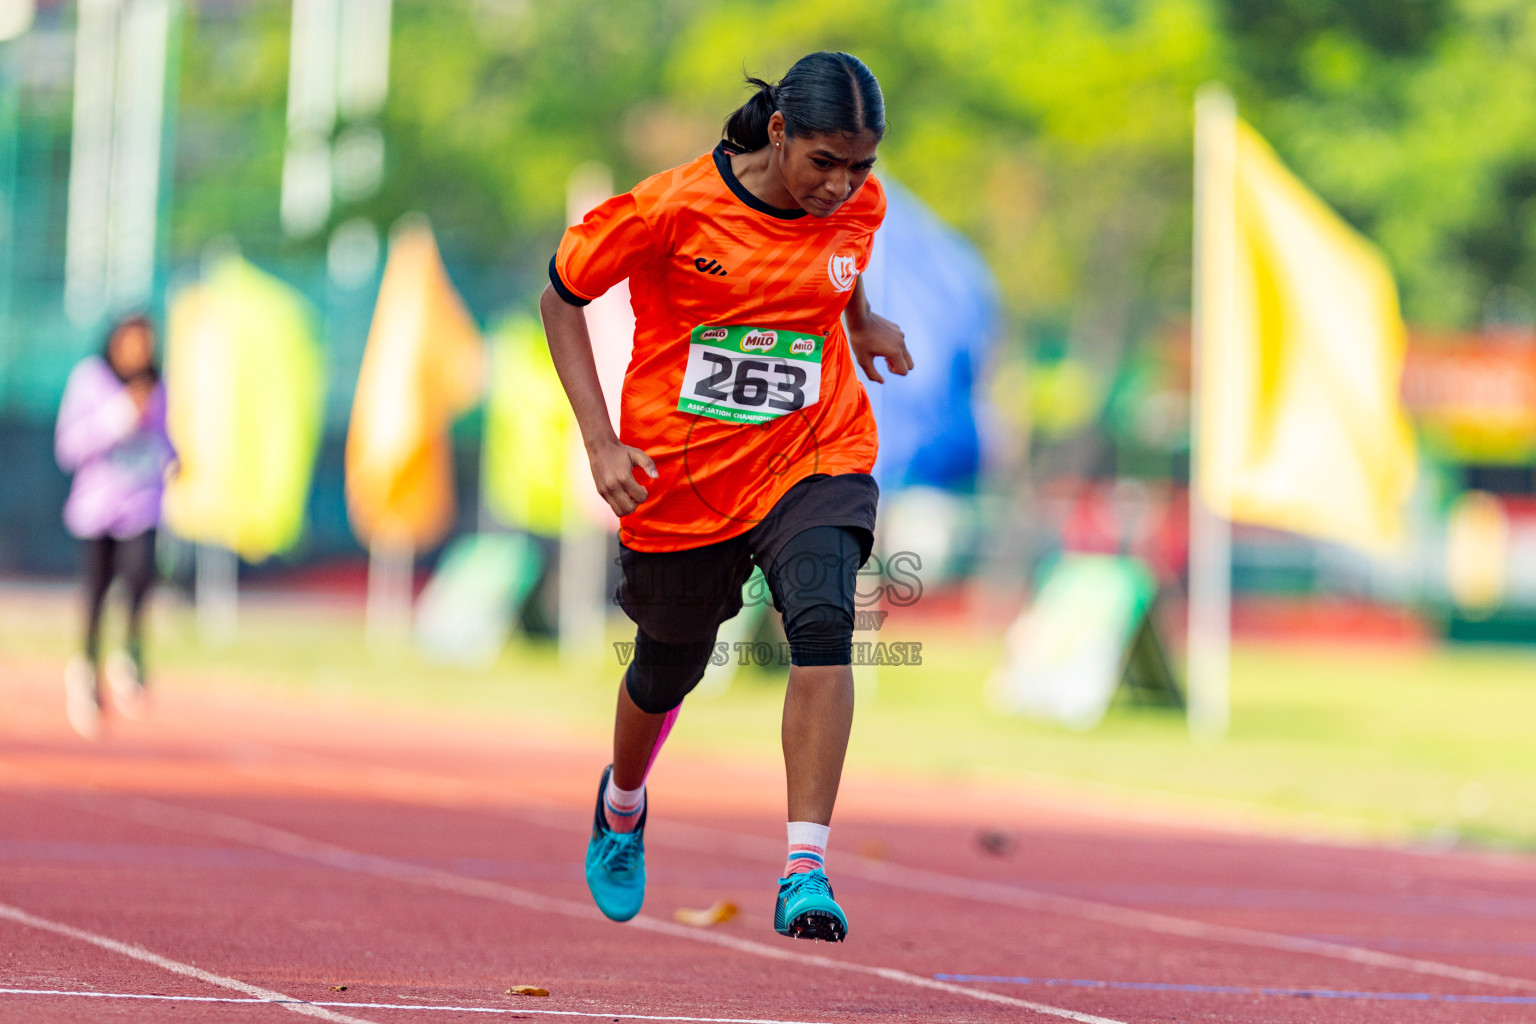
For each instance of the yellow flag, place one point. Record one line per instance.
(528, 430)
(421, 369)
(1300, 425)
(244, 392)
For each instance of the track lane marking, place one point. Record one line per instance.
(262, 995)
(517, 1010)
(1000, 893)
(1244, 990)
(993, 893)
(997, 893)
(242, 830)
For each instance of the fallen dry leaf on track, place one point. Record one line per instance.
(527, 990)
(723, 910)
(338, 988)
(873, 849)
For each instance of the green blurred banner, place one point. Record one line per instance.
(466, 612)
(1088, 631)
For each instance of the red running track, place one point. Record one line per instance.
(236, 860)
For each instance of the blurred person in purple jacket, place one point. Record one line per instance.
(111, 435)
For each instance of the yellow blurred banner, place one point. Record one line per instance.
(1300, 424)
(422, 369)
(244, 391)
(528, 431)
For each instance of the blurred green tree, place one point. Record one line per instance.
(1056, 133)
(1417, 119)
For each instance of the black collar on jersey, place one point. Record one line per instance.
(723, 165)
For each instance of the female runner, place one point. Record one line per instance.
(111, 435)
(741, 408)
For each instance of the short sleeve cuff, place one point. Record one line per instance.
(561, 290)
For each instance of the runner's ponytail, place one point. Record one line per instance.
(824, 93)
(747, 129)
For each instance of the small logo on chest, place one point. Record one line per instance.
(711, 267)
(842, 272)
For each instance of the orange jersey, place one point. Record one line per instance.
(741, 383)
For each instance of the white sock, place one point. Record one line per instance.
(807, 847)
(621, 807)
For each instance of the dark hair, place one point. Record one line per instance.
(140, 320)
(824, 93)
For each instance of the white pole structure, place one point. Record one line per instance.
(1210, 534)
(877, 283)
(312, 58)
(362, 83)
(582, 575)
(117, 133)
(90, 161)
(139, 123)
(586, 520)
(338, 73)
(16, 17)
(391, 582)
(216, 593)
(114, 169)
(216, 568)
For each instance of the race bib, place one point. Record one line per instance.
(750, 374)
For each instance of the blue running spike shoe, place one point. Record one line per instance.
(616, 862)
(807, 910)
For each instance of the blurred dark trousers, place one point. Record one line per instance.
(106, 558)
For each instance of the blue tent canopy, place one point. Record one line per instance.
(933, 283)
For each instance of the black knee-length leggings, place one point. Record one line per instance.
(106, 558)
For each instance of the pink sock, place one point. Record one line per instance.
(807, 847)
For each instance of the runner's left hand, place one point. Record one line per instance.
(873, 336)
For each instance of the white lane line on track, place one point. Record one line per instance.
(164, 815)
(515, 1010)
(1006, 894)
(262, 995)
(997, 893)
(701, 837)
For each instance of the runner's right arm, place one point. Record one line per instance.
(613, 462)
(96, 414)
(609, 245)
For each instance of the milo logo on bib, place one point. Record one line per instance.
(746, 374)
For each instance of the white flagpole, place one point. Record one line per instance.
(216, 566)
(216, 593)
(1210, 534)
(583, 569)
(90, 161)
(390, 603)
